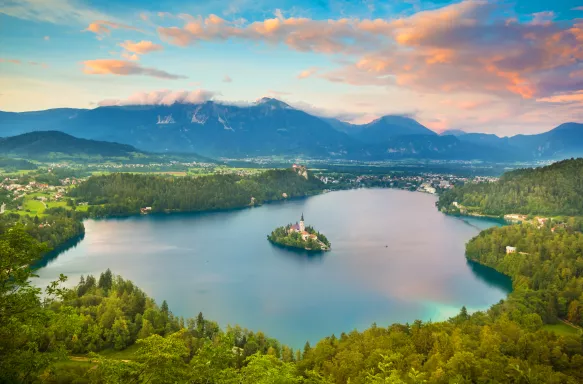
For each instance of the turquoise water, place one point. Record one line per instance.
(394, 258)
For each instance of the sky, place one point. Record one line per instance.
(503, 67)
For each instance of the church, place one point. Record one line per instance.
(301, 228)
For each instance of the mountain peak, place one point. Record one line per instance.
(273, 103)
(569, 125)
(453, 132)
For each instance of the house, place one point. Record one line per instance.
(145, 210)
(510, 249)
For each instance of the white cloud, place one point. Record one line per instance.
(162, 97)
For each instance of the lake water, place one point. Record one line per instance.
(394, 258)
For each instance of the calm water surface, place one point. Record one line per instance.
(394, 258)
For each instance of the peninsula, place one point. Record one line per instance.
(299, 236)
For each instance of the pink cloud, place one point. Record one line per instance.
(124, 68)
(307, 73)
(576, 97)
(227, 79)
(130, 56)
(162, 97)
(19, 62)
(12, 61)
(141, 47)
(470, 46)
(103, 27)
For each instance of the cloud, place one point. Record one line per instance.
(302, 34)
(130, 56)
(162, 97)
(141, 47)
(475, 46)
(103, 27)
(52, 11)
(19, 62)
(12, 61)
(576, 97)
(307, 73)
(124, 68)
(47, 38)
(227, 79)
(577, 8)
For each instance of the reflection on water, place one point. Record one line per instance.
(490, 276)
(301, 254)
(394, 258)
(53, 254)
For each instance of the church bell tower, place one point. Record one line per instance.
(302, 226)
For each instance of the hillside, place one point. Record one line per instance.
(556, 189)
(40, 145)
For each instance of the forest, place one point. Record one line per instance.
(126, 193)
(546, 267)
(101, 315)
(54, 228)
(551, 190)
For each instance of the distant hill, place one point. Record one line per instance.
(271, 127)
(556, 189)
(36, 145)
(439, 147)
(562, 142)
(388, 127)
(453, 132)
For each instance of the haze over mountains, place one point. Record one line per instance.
(271, 127)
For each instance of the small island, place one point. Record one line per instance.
(299, 236)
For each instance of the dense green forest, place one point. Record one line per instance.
(282, 236)
(54, 228)
(552, 190)
(546, 268)
(38, 332)
(124, 193)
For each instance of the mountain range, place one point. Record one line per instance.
(271, 127)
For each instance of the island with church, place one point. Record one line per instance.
(299, 236)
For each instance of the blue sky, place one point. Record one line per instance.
(490, 66)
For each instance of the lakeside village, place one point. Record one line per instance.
(23, 193)
(299, 236)
(428, 183)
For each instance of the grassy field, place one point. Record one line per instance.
(562, 329)
(35, 207)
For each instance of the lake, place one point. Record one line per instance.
(394, 258)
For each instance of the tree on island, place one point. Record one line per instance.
(299, 236)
